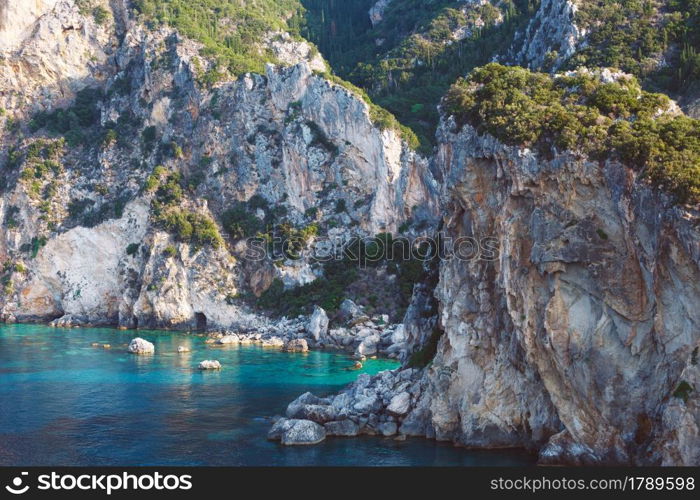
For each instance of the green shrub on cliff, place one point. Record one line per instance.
(327, 291)
(239, 222)
(683, 391)
(602, 120)
(422, 357)
(190, 227)
(186, 225)
(77, 123)
(230, 30)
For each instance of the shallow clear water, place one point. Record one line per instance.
(64, 402)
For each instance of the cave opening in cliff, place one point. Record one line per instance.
(200, 320)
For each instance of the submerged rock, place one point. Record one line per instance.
(141, 346)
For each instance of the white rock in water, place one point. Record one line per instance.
(318, 323)
(141, 346)
(209, 364)
(297, 432)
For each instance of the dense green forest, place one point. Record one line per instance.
(408, 61)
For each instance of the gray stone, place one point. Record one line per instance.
(296, 345)
(280, 426)
(318, 324)
(317, 413)
(209, 364)
(303, 432)
(387, 428)
(228, 339)
(344, 427)
(399, 404)
(349, 311)
(364, 404)
(368, 346)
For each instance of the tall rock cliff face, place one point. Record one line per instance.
(295, 139)
(17, 20)
(589, 312)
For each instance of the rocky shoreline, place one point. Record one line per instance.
(384, 405)
(354, 332)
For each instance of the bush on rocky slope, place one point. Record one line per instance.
(581, 113)
(185, 225)
(655, 40)
(77, 123)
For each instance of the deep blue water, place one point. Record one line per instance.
(64, 402)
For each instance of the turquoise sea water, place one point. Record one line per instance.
(65, 402)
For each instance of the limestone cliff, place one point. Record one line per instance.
(298, 141)
(592, 303)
